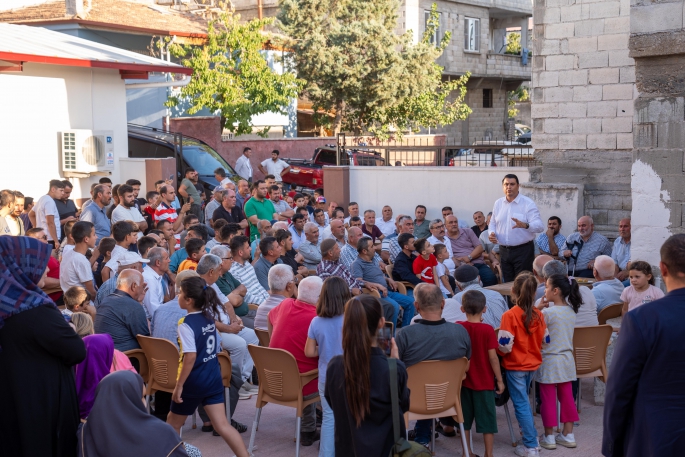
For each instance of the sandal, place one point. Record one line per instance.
(242, 428)
(441, 430)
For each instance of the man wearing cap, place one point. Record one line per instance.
(320, 204)
(468, 279)
(129, 260)
(514, 224)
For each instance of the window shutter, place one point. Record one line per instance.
(477, 27)
(466, 34)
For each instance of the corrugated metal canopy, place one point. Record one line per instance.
(22, 43)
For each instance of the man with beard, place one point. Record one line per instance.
(259, 208)
(551, 241)
(127, 211)
(14, 222)
(96, 212)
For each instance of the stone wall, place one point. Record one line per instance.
(582, 101)
(658, 169)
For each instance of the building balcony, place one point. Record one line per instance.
(508, 66)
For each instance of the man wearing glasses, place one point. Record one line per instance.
(437, 229)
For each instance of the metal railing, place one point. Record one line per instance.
(437, 151)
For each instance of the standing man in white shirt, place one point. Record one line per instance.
(514, 224)
(126, 209)
(275, 166)
(243, 166)
(45, 214)
(153, 275)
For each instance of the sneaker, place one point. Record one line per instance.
(520, 443)
(244, 395)
(566, 440)
(523, 451)
(308, 438)
(249, 387)
(548, 442)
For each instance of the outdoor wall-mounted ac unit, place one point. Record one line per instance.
(87, 151)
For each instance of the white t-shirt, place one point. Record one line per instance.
(587, 313)
(442, 271)
(275, 168)
(75, 270)
(113, 263)
(121, 213)
(46, 207)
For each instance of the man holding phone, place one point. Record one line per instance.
(431, 338)
(190, 194)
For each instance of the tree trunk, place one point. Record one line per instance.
(337, 123)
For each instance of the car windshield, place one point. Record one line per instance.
(203, 158)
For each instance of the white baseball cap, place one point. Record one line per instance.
(130, 258)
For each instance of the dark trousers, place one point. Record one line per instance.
(515, 259)
(586, 273)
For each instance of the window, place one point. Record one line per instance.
(471, 34)
(435, 38)
(487, 98)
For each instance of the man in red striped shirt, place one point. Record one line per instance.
(165, 211)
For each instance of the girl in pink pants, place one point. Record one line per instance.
(559, 306)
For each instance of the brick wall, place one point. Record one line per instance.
(582, 101)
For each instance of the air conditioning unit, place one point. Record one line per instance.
(87, 151)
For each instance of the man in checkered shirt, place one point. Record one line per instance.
(551, 241)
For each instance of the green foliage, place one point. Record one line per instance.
(513, 43)
(356, 66)
(519, 95)
(231, 75)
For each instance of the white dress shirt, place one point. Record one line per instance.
(154, 297)
(521, 208)
(243, 167)
(386, 228)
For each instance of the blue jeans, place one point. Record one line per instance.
(518, 383)
(423, 431)
(327, 443)
(407, 303)
(486, 275)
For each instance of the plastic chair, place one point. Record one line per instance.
(163, 360)
(281, 383)
(406, 284)
(368, 291)
(139, 355)
(264, 337)
(253, 306)
(590, 352)
(435, 387)
(609, 312)
(225, 364)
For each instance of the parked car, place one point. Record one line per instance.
(308, 174)
(152, 143)
(471, 158)
(521, 129)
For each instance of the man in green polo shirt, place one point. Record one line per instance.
(259, 208)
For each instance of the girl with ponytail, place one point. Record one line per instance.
(199, 374)
(559, 308)
(520, 339)
(358, 384)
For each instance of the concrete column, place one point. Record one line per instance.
(524, 33)
(413, 18)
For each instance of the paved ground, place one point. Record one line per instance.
(277, 429)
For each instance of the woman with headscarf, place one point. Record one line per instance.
(89, 373)
(119, 425)
(37, 350)
(82, 324)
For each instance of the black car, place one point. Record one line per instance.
(151, 143)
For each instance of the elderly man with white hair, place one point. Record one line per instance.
(608, 289)
(310, 247)
(288, 325)
(281, 286)
(234, 335)
(582, 248)
(437, 229)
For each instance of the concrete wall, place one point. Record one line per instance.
(562, 200)
(582, 101)
(658, 168)
(45, 100)
(465, 190)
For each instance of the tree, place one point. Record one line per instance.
(356, 66)
(519, 95)
(231, 76)
(513, 43)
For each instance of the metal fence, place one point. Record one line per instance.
(436, 151)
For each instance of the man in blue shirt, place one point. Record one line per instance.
(621, 251)
(96, 212)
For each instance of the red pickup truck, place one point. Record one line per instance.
(309, 173)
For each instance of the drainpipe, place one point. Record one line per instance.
(179, 83)
(259, 9)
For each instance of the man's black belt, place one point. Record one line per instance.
(517, 246)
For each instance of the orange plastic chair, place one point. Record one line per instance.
(609, 312)
(264, 337)
(253, 306)
(590, 351)
(368, 291)
(435, 387)
(139, 355)
(224, 359)
(281, 383)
